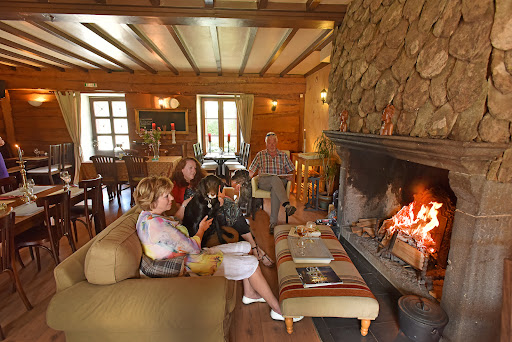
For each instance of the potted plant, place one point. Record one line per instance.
(326, 149)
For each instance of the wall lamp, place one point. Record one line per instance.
(35, 103)
(323, 95)
(161, 103)
(274, 105)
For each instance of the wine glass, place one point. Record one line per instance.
(36, 152)
(300, 242)
(66, 177)
(30, 186)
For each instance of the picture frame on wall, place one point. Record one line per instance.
(144, 118)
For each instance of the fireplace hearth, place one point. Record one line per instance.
(380, 174)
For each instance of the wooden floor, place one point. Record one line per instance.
(250, 322)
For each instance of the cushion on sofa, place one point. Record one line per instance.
(116, 256)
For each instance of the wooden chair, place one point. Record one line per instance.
(93, 194)
(7, 250)
(231, 166)
(8, 184)
(208, 165)
(137, 169)
(107, 168)
(56, 225)
(68, 158)
(54, 166)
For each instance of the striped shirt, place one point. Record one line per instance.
(278, 165)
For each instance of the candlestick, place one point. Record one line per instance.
(20, 154)
(172, 126)
(209, 137)
(153, 125)
(229, 137)
(173, 132)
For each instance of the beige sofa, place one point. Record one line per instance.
(100, 296)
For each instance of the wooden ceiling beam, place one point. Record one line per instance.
(155, 3)
(37, 53)
(127, 14)
(320, 40)
(315, 69)
(29, 59)
(45, 44)
(11, 61)
(183, 47)
(216, 48)
(13, 68)
(209, 4)
(262, 4)
(311, 5)
(63, 35)
(150, 46)
(111, 40)
(248, 49)
(279, 48)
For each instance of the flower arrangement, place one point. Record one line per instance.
(152, 138)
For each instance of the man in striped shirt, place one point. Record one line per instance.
(275, 169)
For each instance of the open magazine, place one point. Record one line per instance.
(315, 276)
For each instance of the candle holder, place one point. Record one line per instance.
(210, 147)
(28, 192)
(228, 146)
(173, 132)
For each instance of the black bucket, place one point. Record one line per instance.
(421, 319)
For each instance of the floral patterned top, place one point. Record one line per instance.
(164, 238)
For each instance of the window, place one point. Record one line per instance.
(109, 124)
(219, 120)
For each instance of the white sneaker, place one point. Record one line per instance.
(247, 300)
(278, 317)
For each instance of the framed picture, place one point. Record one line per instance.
(163, 118)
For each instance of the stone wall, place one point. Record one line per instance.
(446, 66)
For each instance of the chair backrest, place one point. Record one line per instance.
(92, 191)
(68, 154)
(7, 239)
(246, 155)
(137, 168)
(199, 153)
(57, 208)
(241, 152)
(8, 184)
(55, 156)
(106, 167)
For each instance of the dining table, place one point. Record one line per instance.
(29, 215)
(164, 166)
(220, 158)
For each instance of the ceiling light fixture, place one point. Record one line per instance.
(323, 95)
(35, 103)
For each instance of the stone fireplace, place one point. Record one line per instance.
(374, 177)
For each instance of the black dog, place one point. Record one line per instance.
(245, 199)
(205, 203)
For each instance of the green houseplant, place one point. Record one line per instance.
(326, 149)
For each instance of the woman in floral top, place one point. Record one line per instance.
(164, 238)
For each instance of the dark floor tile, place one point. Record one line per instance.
(351, 334)
(375, 285)
(323, 331)
(335, 322)
(385, 332)
(388, 309)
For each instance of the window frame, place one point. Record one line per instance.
(111, 117)
(220, 101)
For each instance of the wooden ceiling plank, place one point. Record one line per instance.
(325, 43)
(63, 35)
(216, 48)
(148, 44)
(29, 59)
(13, 68)
(311, 5)
(315, 69)
(11, 61)
(209, 4)
(94, 28)
(43, 43)
(131, 14)
(307, 52)
(37, 53)
(279, 48)
(262, 4)
(248, 49)
(183, 47)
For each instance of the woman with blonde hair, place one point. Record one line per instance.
(163, 238)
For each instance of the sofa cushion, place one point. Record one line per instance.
(116, 255)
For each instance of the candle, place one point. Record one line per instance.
(20, 155)
(172, 126)
(209, 137)
(153, 125)
(229, 137)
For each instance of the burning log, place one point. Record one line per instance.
(363, 226)
(409, 254)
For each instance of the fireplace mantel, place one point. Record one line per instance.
(459, 156)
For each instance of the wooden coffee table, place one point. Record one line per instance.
(352, 299)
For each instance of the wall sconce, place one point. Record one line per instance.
(323, 95)
(35, 103)
(161, 103)
(274, 105)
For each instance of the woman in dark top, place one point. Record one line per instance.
(3, 168)
(186, 176)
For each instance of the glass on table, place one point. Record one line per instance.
(36, 152)
(66, 177)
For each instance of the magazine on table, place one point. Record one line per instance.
(315, 276)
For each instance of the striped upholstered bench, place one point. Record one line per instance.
(352, 299)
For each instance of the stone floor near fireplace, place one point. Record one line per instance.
(385, 328)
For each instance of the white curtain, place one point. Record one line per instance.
(244, 110)
(69, 102)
